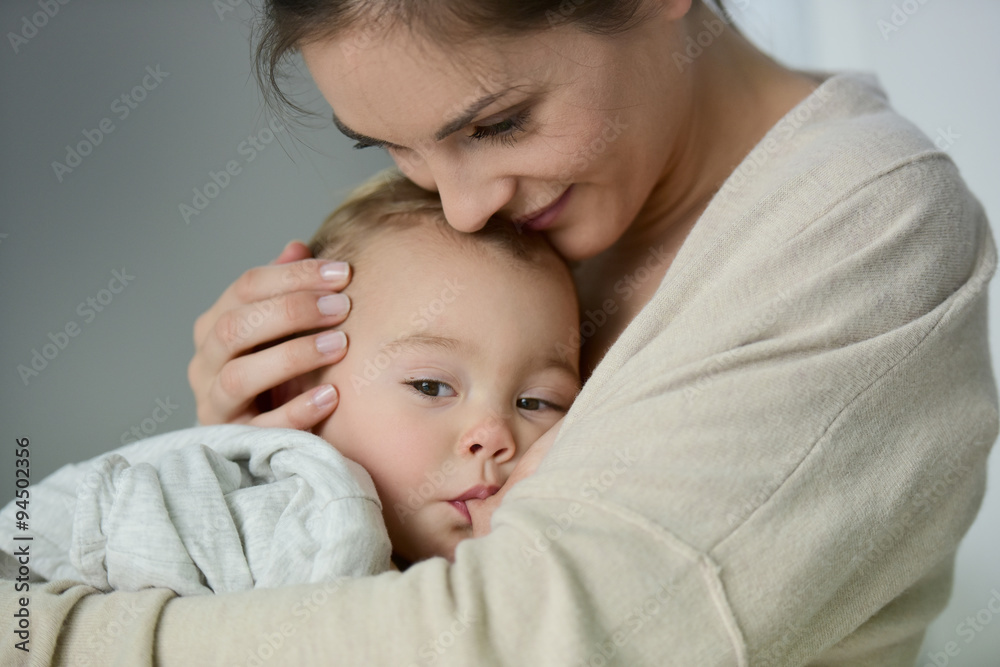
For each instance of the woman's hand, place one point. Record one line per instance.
(238, 373)
(481, 511)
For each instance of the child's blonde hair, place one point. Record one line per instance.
(389, 201)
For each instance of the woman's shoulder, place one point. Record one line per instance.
(840, 168)
(842, 137)
(852, 111)
(846, 210)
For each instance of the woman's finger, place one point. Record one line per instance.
(302, 412)
(293, 252)
(232, 390)
(248, 327)
(265, 283)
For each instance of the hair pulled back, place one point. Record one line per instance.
(285, 25)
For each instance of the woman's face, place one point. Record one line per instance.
(556, 130)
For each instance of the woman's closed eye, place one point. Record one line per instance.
(431, 388)
(503, 131)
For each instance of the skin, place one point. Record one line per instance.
(586, 126)
(684, 129)
(640, 142)
(430, 422)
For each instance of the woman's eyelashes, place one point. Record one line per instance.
(359, 145)
(504, 131)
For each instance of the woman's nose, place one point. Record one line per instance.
(468, 205)
(490, 439)
(469, 196)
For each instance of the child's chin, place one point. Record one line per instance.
(447, 551)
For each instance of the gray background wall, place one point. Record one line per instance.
(60, 240)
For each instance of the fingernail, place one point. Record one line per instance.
(334, 270)
(331, 341)
(334, 304)
(323, 396)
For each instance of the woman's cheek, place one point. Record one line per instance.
(572, 152)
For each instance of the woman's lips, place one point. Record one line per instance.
(544, 218)
(481, 492)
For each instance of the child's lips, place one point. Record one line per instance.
(462, 508)
(480, 492)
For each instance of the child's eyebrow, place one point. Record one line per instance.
(424, 340)
(560, 362)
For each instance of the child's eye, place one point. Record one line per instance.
(505, 130)
(536, 404)
(431, 388)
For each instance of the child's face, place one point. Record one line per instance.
(458, 361)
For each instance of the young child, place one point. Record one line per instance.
(463, 352)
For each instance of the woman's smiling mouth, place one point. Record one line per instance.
(543, 218)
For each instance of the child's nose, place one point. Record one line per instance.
(492, 439)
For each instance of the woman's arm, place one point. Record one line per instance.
(770, 467)
(773, 465)
(788, 486)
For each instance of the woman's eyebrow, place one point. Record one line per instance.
(356, 136)
(449, 128)
(469, 115)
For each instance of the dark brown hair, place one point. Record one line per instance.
(285, 25)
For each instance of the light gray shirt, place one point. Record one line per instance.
(212, 509)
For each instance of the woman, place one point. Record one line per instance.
(784, 434)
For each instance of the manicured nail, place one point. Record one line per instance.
(334, 304)
(323, 396)
(334, 270)
(331, 341)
